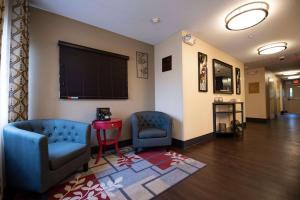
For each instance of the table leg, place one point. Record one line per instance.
(117, 143)
(100, 146)
(117, 149)
(104, 134)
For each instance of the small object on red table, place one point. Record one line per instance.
(104, 125)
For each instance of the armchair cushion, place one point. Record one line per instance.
(61, 153)
(152, 133)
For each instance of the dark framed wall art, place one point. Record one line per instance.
(142, 65)
(202, 72)
(238, 81)
(167, 64)
(222, 77)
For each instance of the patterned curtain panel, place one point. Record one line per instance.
(1, 22)
(18, 75)
(1, 144)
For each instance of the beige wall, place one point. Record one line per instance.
(176, 91)
(198, 116)
(168, 85)
(256, 104)
(45, 31)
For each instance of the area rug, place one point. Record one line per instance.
(139, 176)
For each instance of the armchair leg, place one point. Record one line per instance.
(136, 150)
(85, 167)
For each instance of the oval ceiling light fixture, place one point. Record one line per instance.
(272, 48)
(293, 77)
(247, 16)
(289, 73)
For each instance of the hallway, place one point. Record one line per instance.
(263, 164)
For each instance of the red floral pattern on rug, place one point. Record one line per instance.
(163, 159)
(127, 160)
(79, 188)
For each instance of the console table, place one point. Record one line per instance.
(105, 125)
(232, 111)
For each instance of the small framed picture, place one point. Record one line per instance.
(167, 64)
(238, 81)
(253, 88)
(142, 65)
(202, 72)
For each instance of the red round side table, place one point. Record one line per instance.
(105, 125)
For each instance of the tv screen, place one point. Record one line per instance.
(87, 73)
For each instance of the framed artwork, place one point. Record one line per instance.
(238, 81)
(222, 77)
(253, 88)
(167, 64)
(202, 72)
(142, 65)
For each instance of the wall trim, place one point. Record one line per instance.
(257, 120)
(175, 143)
(193, 141)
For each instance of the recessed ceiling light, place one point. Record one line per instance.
(293, 77)
(272, 48)
(247, 16)
(155, 20)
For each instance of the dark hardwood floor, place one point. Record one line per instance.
(263, 164)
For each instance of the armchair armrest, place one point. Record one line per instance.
(167, 123)
(26, 157)
(134, 126)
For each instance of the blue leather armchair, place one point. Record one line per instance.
(151, 128)
(40, 153)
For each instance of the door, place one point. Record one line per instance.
(293, 98)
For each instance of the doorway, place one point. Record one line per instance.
(292, 97)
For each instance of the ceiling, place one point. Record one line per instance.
(289, 62)
(275, 64)
(203, 18)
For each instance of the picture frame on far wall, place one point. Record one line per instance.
(166, 64)
(202, 72)
(142, 65)
(237, 80)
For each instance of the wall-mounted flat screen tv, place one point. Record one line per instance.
(87, 73)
